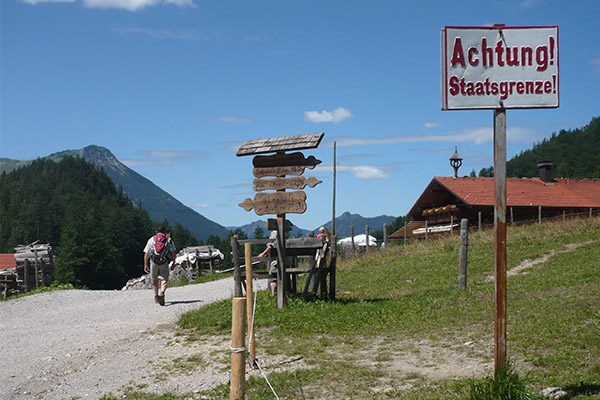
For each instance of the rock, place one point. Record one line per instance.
(554, 393)
(144, 281)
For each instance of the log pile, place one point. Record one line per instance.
(34, 268)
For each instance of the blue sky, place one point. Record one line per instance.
(173, 87)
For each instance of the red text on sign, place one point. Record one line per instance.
(460, 86)
(501, 55)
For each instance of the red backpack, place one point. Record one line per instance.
(160, 251)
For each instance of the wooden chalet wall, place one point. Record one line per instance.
(34, 268)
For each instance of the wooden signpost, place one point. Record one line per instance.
(276, 203)
(285, 160)
(279, 166)
(279, 171)
(297, 183)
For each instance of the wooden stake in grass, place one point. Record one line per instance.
(249, 299)
(464, 248)
(238, 351)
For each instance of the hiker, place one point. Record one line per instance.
(322, 235)
(273, 266)
(159, 249)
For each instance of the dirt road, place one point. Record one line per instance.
(85, 344)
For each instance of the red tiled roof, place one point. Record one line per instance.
(7, 261)
(526, 191)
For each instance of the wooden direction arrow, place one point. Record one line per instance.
(276, 203)
(278, 171)
(297, 183)
(285, 160)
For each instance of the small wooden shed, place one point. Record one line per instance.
(31, 266)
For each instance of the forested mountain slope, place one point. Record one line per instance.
(97, 233)
(575, 154)
(159, 204)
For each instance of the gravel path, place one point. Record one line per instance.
(85, 344)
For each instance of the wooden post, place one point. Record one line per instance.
(479, 218)
(385, 235)
(294, 277)
(37, 269)
(323, 277)
(52, 267)
(539, 214)
(451, 225)
(237, 273)
(367, 238)
(353, 245)
(281, 298)
(404, 244)
(238, 352)
(426, 230)
(26, 280)
(332, 267)
(590, 212)
(512, 219)
(249, 302)
(464, 253)
(564, 215)
(334, 178)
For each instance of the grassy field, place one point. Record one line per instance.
(401, 329)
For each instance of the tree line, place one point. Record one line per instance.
(575, 154)
(97, 233)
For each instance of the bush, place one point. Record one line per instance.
(506, 385)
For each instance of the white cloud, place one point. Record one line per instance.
(173, 155)
(255, 38)
(132, 163)
(596, 64)
(201, 205)
(337, 115)
(134, 5)
(181, 34)
(234, 120)
(529, 3)
(367, 172)
(131, 5)
(161, 157)
(474, 134)
(34, 2)
(362, 171)
(431, 125)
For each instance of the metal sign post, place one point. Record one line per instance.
(496, 68)
(500, 239)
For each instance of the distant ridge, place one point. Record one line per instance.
(249, 229)
(346, 220)
(159, 204)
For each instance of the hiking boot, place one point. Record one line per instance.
(157, 299)
(161, 299)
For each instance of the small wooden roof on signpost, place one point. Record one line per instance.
(282, 143)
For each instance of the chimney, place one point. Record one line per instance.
(546, 171)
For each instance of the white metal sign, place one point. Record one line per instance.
(499, 67)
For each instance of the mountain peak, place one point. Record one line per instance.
(100, 156)
(159, 204)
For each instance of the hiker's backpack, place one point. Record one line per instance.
(160, 251)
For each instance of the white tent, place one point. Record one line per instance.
(359, 240)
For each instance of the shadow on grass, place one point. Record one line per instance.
(345, 301)
(583, 389)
